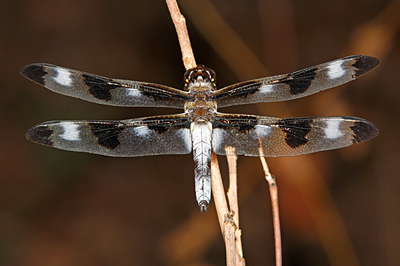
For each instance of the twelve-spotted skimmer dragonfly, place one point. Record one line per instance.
(201, 128)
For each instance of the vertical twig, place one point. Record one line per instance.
(217, 187)
(224, 216)
(233, 202)
(230, 239)
(273, 190)
(183, 37)
(227, 219)
(232, 190)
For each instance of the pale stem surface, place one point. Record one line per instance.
(234, 203)
(273, 190)
(183, 36)
(227, 219)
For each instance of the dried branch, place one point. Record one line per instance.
(217, 187)
(273, 190)
(230, 239)
(227, 219)
(234, 204)
(183, 37)
(221, 206)
(232, 190)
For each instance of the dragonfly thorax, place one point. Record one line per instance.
(200, 83)
(200, 109)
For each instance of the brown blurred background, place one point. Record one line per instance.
(63, 208)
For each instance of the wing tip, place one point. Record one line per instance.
(364, 64)
(34, 72)
(40, 134)
(364, 130)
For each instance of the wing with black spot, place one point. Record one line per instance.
(252, 135)
(156, 135)
(297, 84)
(98, 89)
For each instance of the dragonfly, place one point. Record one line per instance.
(201, 129)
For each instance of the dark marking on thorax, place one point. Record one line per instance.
(200, 107)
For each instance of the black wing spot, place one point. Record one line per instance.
(162, 124)
(242, 89)
(160, 128)
(363, 131)
(246, 123)
(40, 134)
(35, 73)
(157, 93)
(100, 87)
(107, 134)
(243, 123)
(296, 131)
(300, 81)
(364, 64)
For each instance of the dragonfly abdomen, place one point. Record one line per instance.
(201, 138)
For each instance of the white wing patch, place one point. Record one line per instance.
(63, 77)
(266, 88)
(332, 129)
(71, 131)
(186, 137)
(217, 138)
(262, 130)
(142, 131)
(335, 69)
(134, 92)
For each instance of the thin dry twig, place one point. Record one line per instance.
(233, 203)
(232, 190)
(230, 239)
(273, 189)
(227, 219)
(217, 187)
(183, 36)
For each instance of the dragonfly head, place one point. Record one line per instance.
(200, 75)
